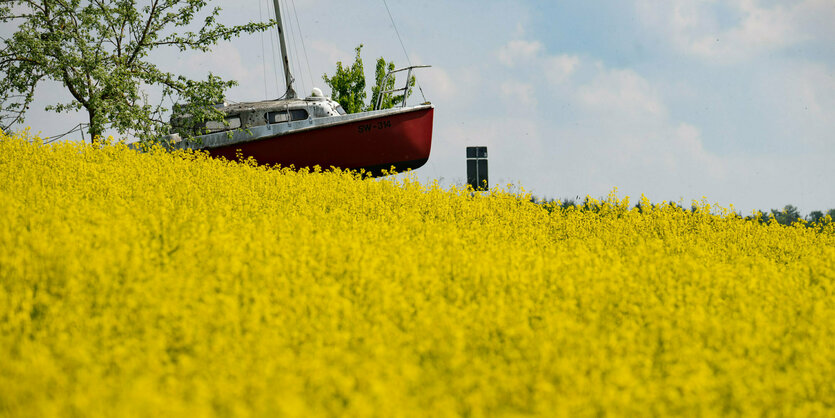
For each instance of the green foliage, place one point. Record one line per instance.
(98, 49)
(787, 216)
(790, 215)
(815, 216)
(389, 100)
(348, 85)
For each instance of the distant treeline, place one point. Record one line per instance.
(787, 216)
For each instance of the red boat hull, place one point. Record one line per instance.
(402, 140)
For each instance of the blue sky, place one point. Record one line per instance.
(677, 99)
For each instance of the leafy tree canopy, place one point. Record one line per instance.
(789, 215)
(98, 50)
(348, 85)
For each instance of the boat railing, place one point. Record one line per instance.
(404, 91)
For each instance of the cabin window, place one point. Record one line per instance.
(283, 116)
(340, 110)
(277, 117)
(298, 114)
(231, 123)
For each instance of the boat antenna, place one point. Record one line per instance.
(288, 78)
(404, 49)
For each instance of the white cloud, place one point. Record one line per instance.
(560, 68)
(518, 52)
(620, 92)
(438, 84)
(801, 100)
(608, 128)
(698, 27)
(762, 30)
(519, 93)
(331, 51)
(598, 127)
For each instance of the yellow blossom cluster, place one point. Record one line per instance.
(173, 284)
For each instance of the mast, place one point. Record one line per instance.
(288, 78)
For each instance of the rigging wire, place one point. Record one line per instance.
(263, 51)
(304, 48)
(287, 32)
(294, 47)
(404, 49)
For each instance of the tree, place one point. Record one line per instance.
(815, 216)
(348, 85)
(389, 100)
(787, 216)
(98, 50)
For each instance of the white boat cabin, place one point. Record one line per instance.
(249, 115)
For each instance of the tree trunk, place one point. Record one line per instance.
(95, 129)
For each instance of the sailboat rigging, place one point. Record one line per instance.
(316, 131)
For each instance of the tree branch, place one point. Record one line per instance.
(27, 100)
(64, 71)
(141, 41)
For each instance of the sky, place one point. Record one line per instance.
(679, 100)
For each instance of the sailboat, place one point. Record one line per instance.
(316, 130)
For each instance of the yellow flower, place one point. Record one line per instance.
(174, 284)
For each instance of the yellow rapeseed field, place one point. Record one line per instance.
(172, 284)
